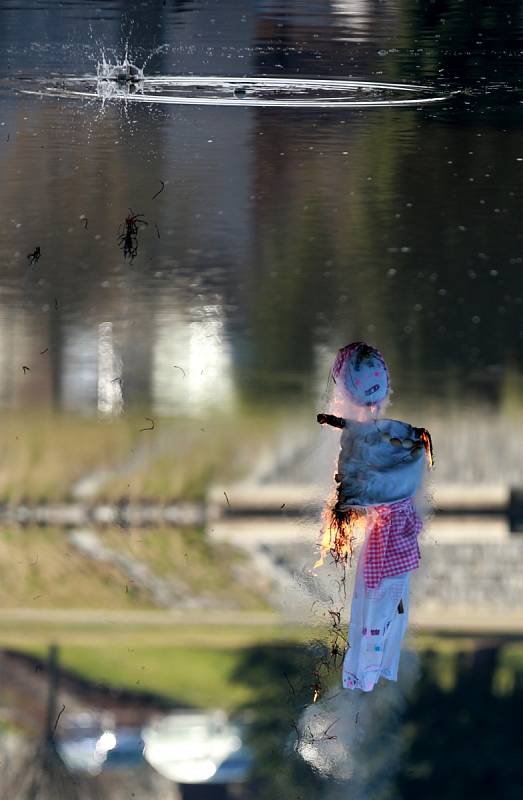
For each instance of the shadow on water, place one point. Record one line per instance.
(201, 792)
(464, 742)
(456, 742)
(282, 678)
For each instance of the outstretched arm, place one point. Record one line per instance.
(330, 419)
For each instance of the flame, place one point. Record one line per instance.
(339, 533)
(427, 444)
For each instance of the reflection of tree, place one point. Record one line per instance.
(464, 742)
(289, 297)
(455, 36)
(450, 743)
(281, 678)
(420, 255)
(44, 776)
(409, 240)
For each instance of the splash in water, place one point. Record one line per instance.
(126, 80)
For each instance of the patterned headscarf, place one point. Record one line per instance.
(364, 373)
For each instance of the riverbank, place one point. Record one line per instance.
(158, 662)
(188, 662)
(132, 569)
(49, 457)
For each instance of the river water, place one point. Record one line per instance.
(281, 233)
(268, 237)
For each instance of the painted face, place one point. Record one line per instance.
(364, 374)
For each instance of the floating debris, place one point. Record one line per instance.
(34, 256)
(159, 191)
(128, 234)
(151, 428)
(120, 73)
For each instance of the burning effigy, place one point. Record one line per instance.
(380, 469)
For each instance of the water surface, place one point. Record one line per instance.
(280, 233)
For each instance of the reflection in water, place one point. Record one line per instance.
(359, 738)
(191, 361)
(110, 398)
(313, 230)
(79, 366)
(465, 736)
(197, 748)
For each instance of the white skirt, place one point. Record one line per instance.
(377, 627)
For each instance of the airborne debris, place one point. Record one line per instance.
(128, 234)
(58, 718)
(120, 73)
(159, 191)
(151, 428)
(34, 256)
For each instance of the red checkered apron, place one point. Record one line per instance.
(393, 542)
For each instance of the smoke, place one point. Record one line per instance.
(354, 740)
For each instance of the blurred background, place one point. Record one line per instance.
(162, 632)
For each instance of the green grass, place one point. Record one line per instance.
(212, 570)
(42, 455)
(193, 663)
(448, 650)
(160, 630)
(190, 664)
(191, 676)
(40, 569)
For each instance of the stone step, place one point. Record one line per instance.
(307, 499)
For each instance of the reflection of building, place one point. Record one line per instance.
(197, 748)
(70, 174)
(80, 368)
(192, 369)
(26, 364)
(110, 401)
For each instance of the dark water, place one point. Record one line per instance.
(280, 234)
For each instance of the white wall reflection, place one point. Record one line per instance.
(15, 351)
(192, 361)
(110, 396)
(79, 368)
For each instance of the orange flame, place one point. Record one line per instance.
(339, 533)
(427, 444)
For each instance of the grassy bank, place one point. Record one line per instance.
(190, 664)
(39, 568)
(43, 455)
(194, 662)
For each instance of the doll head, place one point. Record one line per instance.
(361, 379)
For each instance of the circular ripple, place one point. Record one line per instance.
(264, 92)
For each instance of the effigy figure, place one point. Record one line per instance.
(380, 469)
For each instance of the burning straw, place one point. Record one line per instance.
(342, 529)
